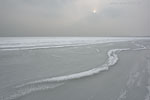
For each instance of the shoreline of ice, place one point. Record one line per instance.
(31, 43)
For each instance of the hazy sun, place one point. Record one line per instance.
(94, 11)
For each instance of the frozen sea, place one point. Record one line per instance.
(75, 68)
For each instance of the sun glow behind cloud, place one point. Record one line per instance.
(94, 11)
(79, 9)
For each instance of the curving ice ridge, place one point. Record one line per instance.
(112, 59)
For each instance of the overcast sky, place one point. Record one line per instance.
(74, 17)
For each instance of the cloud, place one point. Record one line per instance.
(74, 18)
